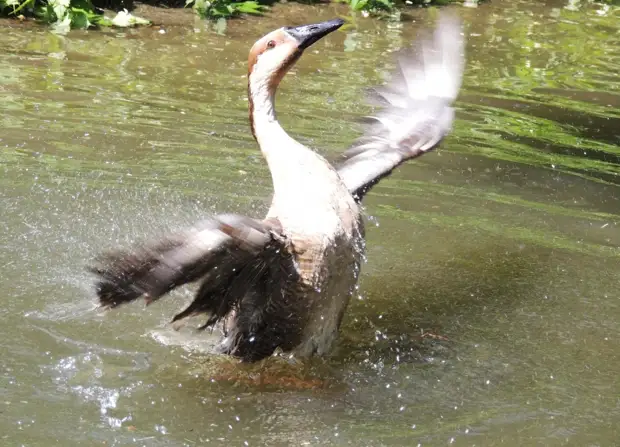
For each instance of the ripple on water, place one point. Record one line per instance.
(204, 342)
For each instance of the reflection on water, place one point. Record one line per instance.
(488, 310)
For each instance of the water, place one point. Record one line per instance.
(489, 307)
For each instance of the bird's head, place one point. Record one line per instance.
(274, 54)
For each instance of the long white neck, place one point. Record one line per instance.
(294, 167)
(305, 185)
(273, 140)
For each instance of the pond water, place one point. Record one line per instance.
(489, 308)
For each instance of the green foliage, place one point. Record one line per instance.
(381, 7)
(64, 15)
(371, 6)
(216, 9)
(67, 14)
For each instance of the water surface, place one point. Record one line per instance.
(488, 310)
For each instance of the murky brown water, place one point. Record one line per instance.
(504, 243)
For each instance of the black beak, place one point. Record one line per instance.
(306, 35)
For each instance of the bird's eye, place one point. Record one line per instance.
(271, 44)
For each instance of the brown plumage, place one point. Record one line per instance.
(285, 282)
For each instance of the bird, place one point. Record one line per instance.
(281, 284)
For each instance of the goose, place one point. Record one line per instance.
(283, 283)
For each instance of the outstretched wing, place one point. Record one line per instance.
(153, 269)
(417, 109)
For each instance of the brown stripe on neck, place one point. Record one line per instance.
(251, 110)
(274, 82)
(252, 59)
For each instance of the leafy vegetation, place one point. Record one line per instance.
(215, 9)
(66, 14)
(380, 7)
(374, 6)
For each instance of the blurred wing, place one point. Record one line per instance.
(153, 269)
(416, 109)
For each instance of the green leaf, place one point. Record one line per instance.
(102, 21)
(202, 7)
(360, 5)
(249, 7)
(46, 14)
(85, 5)
(79, 19)
(60, 8)
(14, 3)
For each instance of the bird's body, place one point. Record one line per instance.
(323, 225)
(285, 282)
